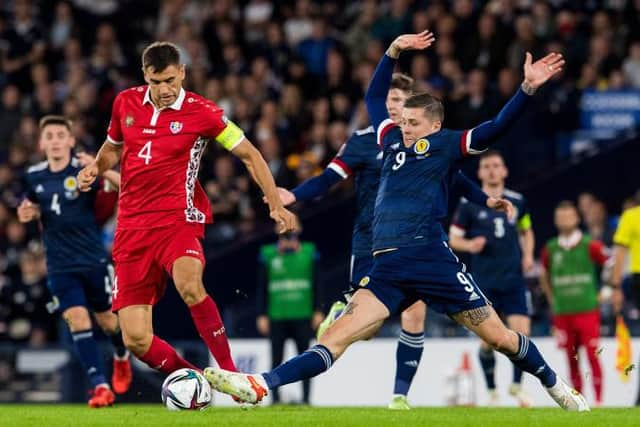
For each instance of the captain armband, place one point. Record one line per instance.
(231, 136)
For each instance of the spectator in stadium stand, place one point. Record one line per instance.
(627, 242)
(289, 302)
(631, 65)
(9, 116)
(25, 45)
(570, 282)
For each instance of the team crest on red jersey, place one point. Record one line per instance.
(175, 127)
(128, 121)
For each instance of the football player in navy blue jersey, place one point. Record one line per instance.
(412, 260)
(500, 249)
(361, 158)
(80, 277)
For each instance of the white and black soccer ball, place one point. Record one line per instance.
(186, 389)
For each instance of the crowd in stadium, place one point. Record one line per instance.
(292, 74)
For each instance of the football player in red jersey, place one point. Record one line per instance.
(158, 132)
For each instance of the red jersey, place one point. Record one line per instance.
(161, 156)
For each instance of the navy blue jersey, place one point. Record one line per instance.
(360, 156)
(499, 265)
(413, 196)
(71, 235)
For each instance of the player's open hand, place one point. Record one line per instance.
(537, 73)
(87, 176)
(28, 211)
(502, 205)
(286, 221)
(411, 42)
(286, 197)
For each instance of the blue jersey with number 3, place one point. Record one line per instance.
(498, 266)
(71, 234)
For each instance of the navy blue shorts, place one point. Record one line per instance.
(91, 289)
(431, 273)
(510, 300)
(360, 266)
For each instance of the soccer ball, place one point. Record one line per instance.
(186, 389)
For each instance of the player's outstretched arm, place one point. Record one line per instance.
(468, 189)
(316, 186)
(261, 174)
(110, 175)
(536, 74)
(107, 158)
(376, 96)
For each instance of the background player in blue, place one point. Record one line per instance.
(79, 274)
(361, 157)
(500, 249)
(412, 259)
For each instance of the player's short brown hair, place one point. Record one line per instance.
(54, 120)
(160, 55)
(431, 105)
(492, 153)
(402, 82)
(567, 204)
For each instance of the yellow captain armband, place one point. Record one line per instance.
(231, 136)
(524, 223)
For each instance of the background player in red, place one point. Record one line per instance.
(158, 132)
(571, 287)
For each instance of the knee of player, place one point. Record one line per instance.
(191, 291)
(137, 342)
(413, 320)
(77, 319)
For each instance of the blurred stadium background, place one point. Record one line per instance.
(292, 74)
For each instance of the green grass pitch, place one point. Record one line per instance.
(291, 416)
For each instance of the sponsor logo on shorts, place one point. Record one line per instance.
(364, 281)
(192, 252)
(218, 332)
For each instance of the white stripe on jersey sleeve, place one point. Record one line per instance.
(338, 169)
(113, 141)
(381, 127)
(470, 150)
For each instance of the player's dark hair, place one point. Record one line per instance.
(567, 204)
(402, 82)
(54, 120)
(491, 153)
(431, 105)
(160, 55)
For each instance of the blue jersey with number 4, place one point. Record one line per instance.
(71, 234)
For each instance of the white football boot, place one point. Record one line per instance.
(568, 398)
(245, 387)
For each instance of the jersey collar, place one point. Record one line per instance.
(177, 104)
(570, 241)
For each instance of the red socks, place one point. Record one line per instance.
(209, 325)
(162, 357)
